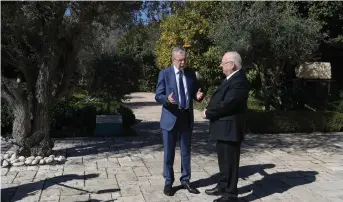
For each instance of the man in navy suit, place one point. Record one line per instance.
(176, 88)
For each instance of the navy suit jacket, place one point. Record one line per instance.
(166, 84)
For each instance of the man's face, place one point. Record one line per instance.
(227, 65)
(179, 60)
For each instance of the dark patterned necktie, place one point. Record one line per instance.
(182, 91)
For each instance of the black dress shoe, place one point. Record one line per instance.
(215, 191)
(191, 190)
(226, 199)
(168, 190)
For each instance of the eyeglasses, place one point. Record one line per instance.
(183, 60)
(221, 64)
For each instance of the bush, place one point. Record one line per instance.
(6, 119)
(336, 106)
(128, 116)
(75, 117)
(294, 121)
(67, 118)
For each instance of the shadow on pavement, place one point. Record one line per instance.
(270, 183)
(135, 105)
(149, 137)
(25, 190)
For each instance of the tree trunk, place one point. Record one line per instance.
(39, 143)
(32, 135)
(21, 124)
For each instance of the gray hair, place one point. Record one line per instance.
(179, 50)
(236, 58)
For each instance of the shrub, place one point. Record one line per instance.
(128, 116)
(336, 106)
(294, 121)
(67, 118)
(6, 119)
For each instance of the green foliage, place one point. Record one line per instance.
(128, 116)
(6, 119)
(69, 119)
(112, 78)
(270, 37)
(336, 106)
(77, 116)
(190, 25)
(139, 44)
(73, 117)
(330, 14)
(294, 122)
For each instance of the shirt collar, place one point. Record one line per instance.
(176, 70)
(227, 78)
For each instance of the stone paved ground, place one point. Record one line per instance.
(287, 167)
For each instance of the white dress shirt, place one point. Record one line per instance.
(177, 71)
(227, 78)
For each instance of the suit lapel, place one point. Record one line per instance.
(173, 82)
(227, 81)
(221, 85)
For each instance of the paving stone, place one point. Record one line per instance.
(129, 190)
(141, 171)
(50, 194)
(120, 170)
(98, 181)
(274, 167)
(4, 171)
(136, 198)
(79, 198)
(100, 197)
(155, 194)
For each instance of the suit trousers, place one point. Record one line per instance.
(182, 131)
(228, 153)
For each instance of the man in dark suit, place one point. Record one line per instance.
(176, 89)
(226, 112)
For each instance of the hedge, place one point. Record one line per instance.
(70, 119)
(294, 121)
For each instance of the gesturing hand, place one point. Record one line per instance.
(171, 99)
(200, 94)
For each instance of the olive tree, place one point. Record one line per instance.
(41, 45)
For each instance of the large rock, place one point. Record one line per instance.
(21, 158)
(5, 164)
(314, 70)
(35, 162)
(28, 161)
(18, 164)
(49, 160)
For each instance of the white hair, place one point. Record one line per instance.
(179, 50)
(236, 58)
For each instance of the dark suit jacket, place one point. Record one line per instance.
(227, 107)
(165, 85)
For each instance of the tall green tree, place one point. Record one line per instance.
(111, 78)
(190, 25)
(41, 45)
(139, 44)
(271, 37)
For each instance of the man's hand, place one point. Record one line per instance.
(203, 114)
(200, 94)
(171, 99)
